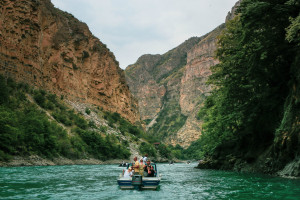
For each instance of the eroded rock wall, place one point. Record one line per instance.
(193, 87)
(52, 50)
(171, 87)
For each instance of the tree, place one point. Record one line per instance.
(4, 95)
(251, 82)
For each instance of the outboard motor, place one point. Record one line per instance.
(137, 181)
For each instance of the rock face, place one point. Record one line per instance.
(52, 50)
(171, 87)
(155, 80)
(231, 14)
(144, 86)
(194, 89)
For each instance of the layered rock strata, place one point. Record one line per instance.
(193, 87)
(171, 87)
(50, 49)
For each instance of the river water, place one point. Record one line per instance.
(179, 181)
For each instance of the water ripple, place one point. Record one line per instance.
(180, 181)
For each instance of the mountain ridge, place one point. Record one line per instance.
(174, 92)
(50, 49)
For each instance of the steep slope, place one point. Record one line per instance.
(155, 80)
(193, 89)
(251, 119)
(50, 49)
(38, 128)
(171, 87)
(147, 77)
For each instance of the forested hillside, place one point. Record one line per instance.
(53, 68)
(63, 93)
(35, 122)
(36, 125)
(251, 119)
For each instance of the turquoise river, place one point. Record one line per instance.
(179, 181)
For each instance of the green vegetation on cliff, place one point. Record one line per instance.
(47, 127)
(255, 101)
(169, 121)
(26, 129)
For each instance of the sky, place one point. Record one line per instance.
(132, 28)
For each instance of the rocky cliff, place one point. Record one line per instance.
(193, 88)
(50, 49)
(155, 81)
(171, 87)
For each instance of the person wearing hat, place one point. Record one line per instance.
(128, 173)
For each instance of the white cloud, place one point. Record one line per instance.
(131, 28)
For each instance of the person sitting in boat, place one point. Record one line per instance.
(136, 166)
(128, 173)
(147, 164)
(141, 167)
(147, 169)
(145, 158)
(150, 171)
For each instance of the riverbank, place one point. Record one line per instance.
(35, 160)
(290, 170)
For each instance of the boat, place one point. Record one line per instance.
(140, 182)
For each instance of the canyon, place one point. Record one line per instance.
(171, 88)
(51, 50)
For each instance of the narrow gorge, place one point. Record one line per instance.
(171, 88)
